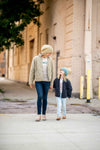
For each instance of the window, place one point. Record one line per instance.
(47, 36)
(4, 56)
(40, 40)
(31, 49)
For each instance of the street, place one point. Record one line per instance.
(20, 98)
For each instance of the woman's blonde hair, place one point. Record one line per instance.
(46, 49)
(44, 54)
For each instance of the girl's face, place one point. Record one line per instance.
(62, 73)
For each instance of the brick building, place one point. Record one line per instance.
(72, 27)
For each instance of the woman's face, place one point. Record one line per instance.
(62, 73)
(48, 54)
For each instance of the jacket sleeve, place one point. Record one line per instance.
(32, 72)
(51, 72)
(54, 84)
(69, 89)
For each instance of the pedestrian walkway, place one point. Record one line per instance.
(77, 132)
(21, 132)
(16, 91)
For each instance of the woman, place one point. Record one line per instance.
(42, 72)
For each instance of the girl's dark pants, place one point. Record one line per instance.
(42, 88)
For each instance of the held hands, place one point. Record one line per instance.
(50, 87)
(31, 86)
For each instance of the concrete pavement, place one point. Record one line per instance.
(77, 132)
(21, 132)
(15, 91)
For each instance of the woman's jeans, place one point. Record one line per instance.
(42, 88)
(61, 103)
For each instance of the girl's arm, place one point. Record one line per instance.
(54, 84)
(69, 89)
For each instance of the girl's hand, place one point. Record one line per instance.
(50, 86)
(31, 86)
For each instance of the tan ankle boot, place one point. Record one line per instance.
(38, 118)
(64, 117)
(58, 118)
(44, 117)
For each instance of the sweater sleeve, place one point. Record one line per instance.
(32, 72)
(51, 72)
(69, 88)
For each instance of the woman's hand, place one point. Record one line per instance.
(50, 86)
(31, 86)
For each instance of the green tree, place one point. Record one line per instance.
(15, 15)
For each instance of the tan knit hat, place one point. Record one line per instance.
(46, 49)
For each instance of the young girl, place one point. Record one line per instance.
(63, 89)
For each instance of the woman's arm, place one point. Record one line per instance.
(51, 72)
(32, 73)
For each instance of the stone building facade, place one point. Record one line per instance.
(72, 27)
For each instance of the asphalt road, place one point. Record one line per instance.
(19, 98)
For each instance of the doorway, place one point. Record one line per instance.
(57, 55)
(31, 50)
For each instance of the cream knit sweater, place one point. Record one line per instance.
(36, 71)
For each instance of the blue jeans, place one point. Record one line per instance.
(61, 103)
(42, 88)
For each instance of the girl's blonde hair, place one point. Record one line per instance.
(64, 77)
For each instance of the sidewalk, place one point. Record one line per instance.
(77, 132)
(19, 131)
(15, 91)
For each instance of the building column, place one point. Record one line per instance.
(7, 64)
(88, 40)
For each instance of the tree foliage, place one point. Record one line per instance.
(15, 15)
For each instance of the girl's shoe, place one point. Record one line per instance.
(38, 118)
(44, 117)
(64, 117)
(58, 118)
